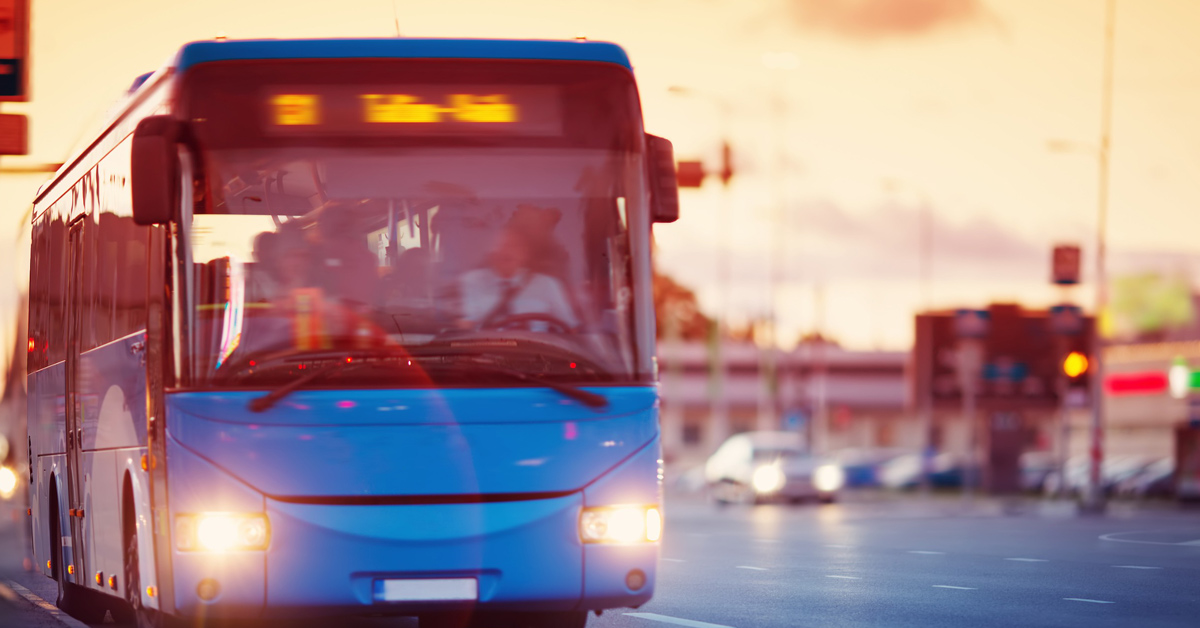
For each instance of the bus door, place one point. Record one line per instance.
(75, 485)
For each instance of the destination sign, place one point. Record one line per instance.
(413, 110)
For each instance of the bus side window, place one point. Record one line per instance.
(95, 316)
(56, 329)
(124, 284)
(38, 293)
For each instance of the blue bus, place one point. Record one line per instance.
(353, 326)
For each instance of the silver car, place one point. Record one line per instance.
(757, 467)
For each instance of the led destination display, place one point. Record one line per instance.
(412, 110)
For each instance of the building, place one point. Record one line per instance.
(837, 397)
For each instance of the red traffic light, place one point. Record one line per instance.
(689, 174)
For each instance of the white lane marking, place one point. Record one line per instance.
(1028, 560)
(674, 560)
(1112, 536)
(845, 577)
(927, 552)
(950, 586)
(1084, 599)
(666, 619)
(49, 608)
(752, 568)
(1135, 567)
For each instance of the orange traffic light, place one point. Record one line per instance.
(1075, 364)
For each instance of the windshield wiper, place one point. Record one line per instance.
(261, 404)
(586, 397)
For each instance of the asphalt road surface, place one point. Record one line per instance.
(897, 562)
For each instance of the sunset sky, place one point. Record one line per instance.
(847, 119)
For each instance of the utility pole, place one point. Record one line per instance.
(1094, 502)
(719, 400)
(718, 428)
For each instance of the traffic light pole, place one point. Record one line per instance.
(1064, 418)
(970, 359)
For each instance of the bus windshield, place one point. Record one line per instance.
(427, 244)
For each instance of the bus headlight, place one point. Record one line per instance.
(221, 532)
(768, 479)
(620, 524)
(8, 482)
(828, 477)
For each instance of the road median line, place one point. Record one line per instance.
(667, 619)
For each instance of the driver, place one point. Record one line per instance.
(506, 287)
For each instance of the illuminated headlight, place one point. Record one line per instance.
(8, 482)
(828, 477)
(620, 524)
(221, 532)
(768, 479)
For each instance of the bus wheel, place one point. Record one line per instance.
(76, 601)
(132, 611)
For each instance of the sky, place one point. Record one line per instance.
(856, 126)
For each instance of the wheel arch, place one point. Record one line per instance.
(135, 511)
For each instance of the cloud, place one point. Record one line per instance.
(826, 242)
(879, 19)
(886, 242)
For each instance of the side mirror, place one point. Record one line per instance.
(154, 174)
(664, 188)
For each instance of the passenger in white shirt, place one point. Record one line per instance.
(506, 287)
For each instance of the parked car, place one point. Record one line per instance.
(758, 467)
(862, 464)
(1036, 466)
(1157, 479)
(1113, 470)
(946, 471)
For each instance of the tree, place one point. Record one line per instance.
(676, 305)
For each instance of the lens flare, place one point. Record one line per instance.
(653, 524)
(828, 478)
(217, 533)
(768, 479)
(8, 482)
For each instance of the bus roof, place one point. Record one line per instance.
(399, 48)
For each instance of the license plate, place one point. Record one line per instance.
(427, 590)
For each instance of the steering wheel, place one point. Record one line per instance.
(502, 322)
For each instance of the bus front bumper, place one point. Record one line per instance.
(521, 555)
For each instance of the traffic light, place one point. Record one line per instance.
(1075, 365)
(689, 174)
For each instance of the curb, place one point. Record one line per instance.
(10, 590)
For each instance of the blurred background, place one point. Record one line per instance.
(873, 194)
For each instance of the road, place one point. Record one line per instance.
(889, 561)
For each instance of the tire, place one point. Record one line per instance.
(74, 600)
(131, 610)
